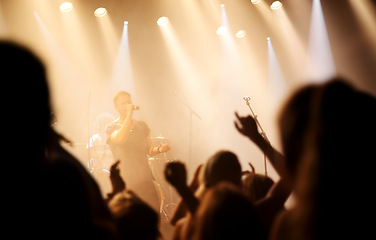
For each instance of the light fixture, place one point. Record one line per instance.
(100, 12)
(125, 23)
(241, 34)
(66, 7)
(255, 1)
(162, 21)
(276, 5)
(268, 39)
(222, 30)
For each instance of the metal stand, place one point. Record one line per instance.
(191, 113)
(164, 189)
(262, 132)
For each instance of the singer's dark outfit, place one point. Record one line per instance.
(134, 163)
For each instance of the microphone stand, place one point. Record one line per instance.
(262, 132)
(190, 126)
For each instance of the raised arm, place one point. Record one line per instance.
(273, 202)
(176, 174)
(153, 150)
(121, 135)
(247, 126)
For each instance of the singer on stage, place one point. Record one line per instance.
(130, 143)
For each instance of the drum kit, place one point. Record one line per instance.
(167, 195)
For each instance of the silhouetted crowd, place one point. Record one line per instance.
(327, 158)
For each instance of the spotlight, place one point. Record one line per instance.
(125, 23)
(100, 12)
(276, 5)
(241, 34)
(66, 7)
(222, 30)
(162, 21)
(255, 1)
(268, 39)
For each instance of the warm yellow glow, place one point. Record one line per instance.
(241, 34)
(255, 1)
(320, 61)
(109, 35)
(290, 39)
(66, 7)
(365, 13)
(162, 21)
(100, 12)
(276, 5)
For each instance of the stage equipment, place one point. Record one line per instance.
(166, 193)
(262, 132)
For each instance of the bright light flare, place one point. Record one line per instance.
(100, 12)
(255, 1)
(66, 7)
(241, 34)
(163, 21)
(276, 5)
(222, 30)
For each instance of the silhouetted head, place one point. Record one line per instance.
(334, 176)
(222, 166)
(134, 218)
(225, 213)
(293, 122)
(25, 101)
(256, 186)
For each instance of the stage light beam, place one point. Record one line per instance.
(100, 12)
(122, 71)
(66, 7)
(162, 21)
(276, 5)
(277, 81)
(222, 30)
(320, 59)
(241, 34)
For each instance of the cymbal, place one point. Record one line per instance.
(159, 138)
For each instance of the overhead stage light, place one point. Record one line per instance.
(66, 7)
(162, 21)
(255, 1)
(222, 30)
(276, 5)
(100, 12)
(241, 34)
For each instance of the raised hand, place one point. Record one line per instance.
(247, 126)
(195, 183)
(176, 174)
(117, 181)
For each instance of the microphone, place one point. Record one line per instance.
(136, 108)
(246, 98)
